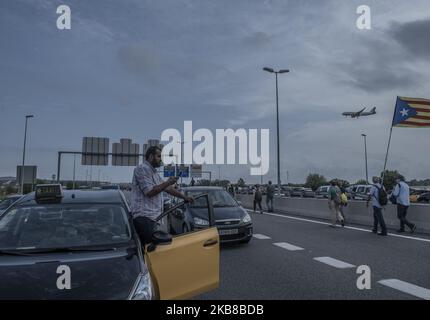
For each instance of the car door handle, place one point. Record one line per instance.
(210, 242)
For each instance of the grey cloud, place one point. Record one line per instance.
(257, 39)
(139, 59)
(413, 36)
(377, 66)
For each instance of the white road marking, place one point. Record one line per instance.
(334, 262)
(260, 236)
(406, 287)
(346, 227)
(287, 246)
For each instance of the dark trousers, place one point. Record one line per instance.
(402, 211)
(378, 218)
(145, 228)
(269, 203)
(259, 204)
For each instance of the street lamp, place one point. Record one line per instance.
(277, 120)
(23, 152)
(365, 155)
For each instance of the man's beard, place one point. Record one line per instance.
(156, 165)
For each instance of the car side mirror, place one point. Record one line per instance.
(159, 237)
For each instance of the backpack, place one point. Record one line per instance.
(344, 199)
(382, 196)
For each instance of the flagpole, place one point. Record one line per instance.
(389, 143)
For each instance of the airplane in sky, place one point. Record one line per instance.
(360, 113)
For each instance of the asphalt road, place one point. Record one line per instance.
(292, 258)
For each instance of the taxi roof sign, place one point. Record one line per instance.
(46, 192)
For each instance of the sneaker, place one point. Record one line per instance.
(342, 223)
(374, 231)
(413, 229)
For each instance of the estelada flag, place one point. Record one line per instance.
(412, 113)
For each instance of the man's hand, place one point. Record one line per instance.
(172, 180)
(189, 200)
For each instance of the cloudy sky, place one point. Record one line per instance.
(132, 68)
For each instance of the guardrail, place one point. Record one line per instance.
(356, 212)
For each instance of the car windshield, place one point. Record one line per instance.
(53, 226)
(4, 204)
(220, 198)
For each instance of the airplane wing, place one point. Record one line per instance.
(353, 114)
(360, 112)
(371, 112)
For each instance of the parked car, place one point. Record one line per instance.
(424, 198)
(361, 192)
(286, 190)
(322, 192)
(233, 222)
(89, 237)
(297, 192)
(308, 193)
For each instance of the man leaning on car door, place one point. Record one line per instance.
(147, 194)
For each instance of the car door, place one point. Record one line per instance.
(189, 265)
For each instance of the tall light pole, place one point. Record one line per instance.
(365, 155)
(277, 121)
(23, 152)
(74, 170)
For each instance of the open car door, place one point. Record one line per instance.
(189, 265)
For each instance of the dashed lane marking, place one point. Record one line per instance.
(260, 236)
(288, 246)
(334, 262)
(407, 287)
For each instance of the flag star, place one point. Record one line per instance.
(404, 112)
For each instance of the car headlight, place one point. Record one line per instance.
(200, 222)
(143, 290)
(246, 218)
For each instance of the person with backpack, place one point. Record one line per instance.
(343, 203)
(401, 198)
(379, 198)
(270, 193)
(334, 202)
(258, 197)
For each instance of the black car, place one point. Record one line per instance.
(76, 244)
(233, 222)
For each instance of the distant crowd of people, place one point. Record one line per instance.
(338, 200)
(378, 196)
(258, 197)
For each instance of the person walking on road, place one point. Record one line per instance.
(343, 202)
(376, 195)
(258, 197)
(401, 194)
(147, 195)
(270, 193)
(334, 196)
